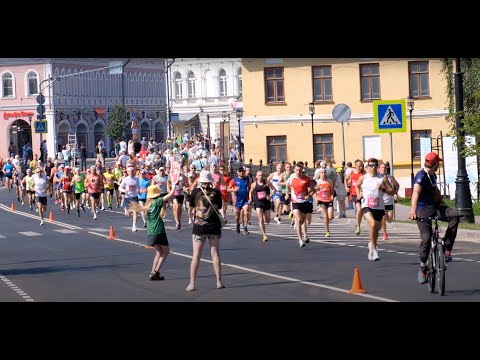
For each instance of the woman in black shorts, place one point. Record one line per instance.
(259, 195)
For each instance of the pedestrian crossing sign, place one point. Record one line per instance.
(40, 127)
(389, 116)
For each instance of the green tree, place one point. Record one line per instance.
(117, 121)
(471, 100)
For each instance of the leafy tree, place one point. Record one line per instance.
(471, 103)
(117, 121)
(471, 100)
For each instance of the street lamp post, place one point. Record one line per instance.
(239, 118)
(311, 110)
(463, 197)
(411, 103)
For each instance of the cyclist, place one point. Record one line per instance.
(426, 202)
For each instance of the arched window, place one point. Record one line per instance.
(32, 86)
(191, 84)
(145, 130)
(222, 83)
(7, 85)
(178, 85)
(98, 131)
(82, 135)
(62, 135)
(159, 132)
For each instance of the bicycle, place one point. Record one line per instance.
(436, 263)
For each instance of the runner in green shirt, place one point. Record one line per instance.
(156, 235)
(79, 188)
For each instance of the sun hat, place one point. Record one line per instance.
(153, 191)
(205, 177)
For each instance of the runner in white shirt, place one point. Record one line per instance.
(40, 186)
(130, 186)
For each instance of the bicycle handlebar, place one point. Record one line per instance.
(438, 218)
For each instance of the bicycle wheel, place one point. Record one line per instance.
(441, 270)
(431, 270)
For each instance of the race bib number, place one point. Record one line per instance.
(300, 195)
(131, 187)
(261, 195)
(324, 195)
(223, 187)
(372, 202)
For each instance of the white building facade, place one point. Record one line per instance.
(206, 95)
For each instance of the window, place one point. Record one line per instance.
(191, 84)
(178, 85)
(7, 85)
(274, 85)
(322, 83)
(370, 81)
(418, 79)
(239, 82)
(323, 147)
(222, 83)
(417, 134)
(32, 79)
(276, 148)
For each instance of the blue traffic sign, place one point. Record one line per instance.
(40, 127)
(389, 116)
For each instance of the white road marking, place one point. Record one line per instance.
(294, 280)
(29, 233)
(66, 231)
(15, 288)
(68, 226)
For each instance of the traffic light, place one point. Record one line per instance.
(41, 107)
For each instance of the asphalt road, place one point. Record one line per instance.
(71, 259)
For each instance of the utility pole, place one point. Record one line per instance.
(169, 109)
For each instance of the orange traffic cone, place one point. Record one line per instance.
(357, 283)
(111, 235)
(51, 216)
(12, 208)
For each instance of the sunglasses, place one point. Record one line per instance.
(373, 165)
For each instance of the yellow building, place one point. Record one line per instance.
(277, 120)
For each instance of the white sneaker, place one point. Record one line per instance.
(190, 287)
(275, 218)
(134, 228)
(94, 216)
(370, 251)
(375, 256)
(301, 243)
(41, 222)
(278, 221)
(189, 221)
